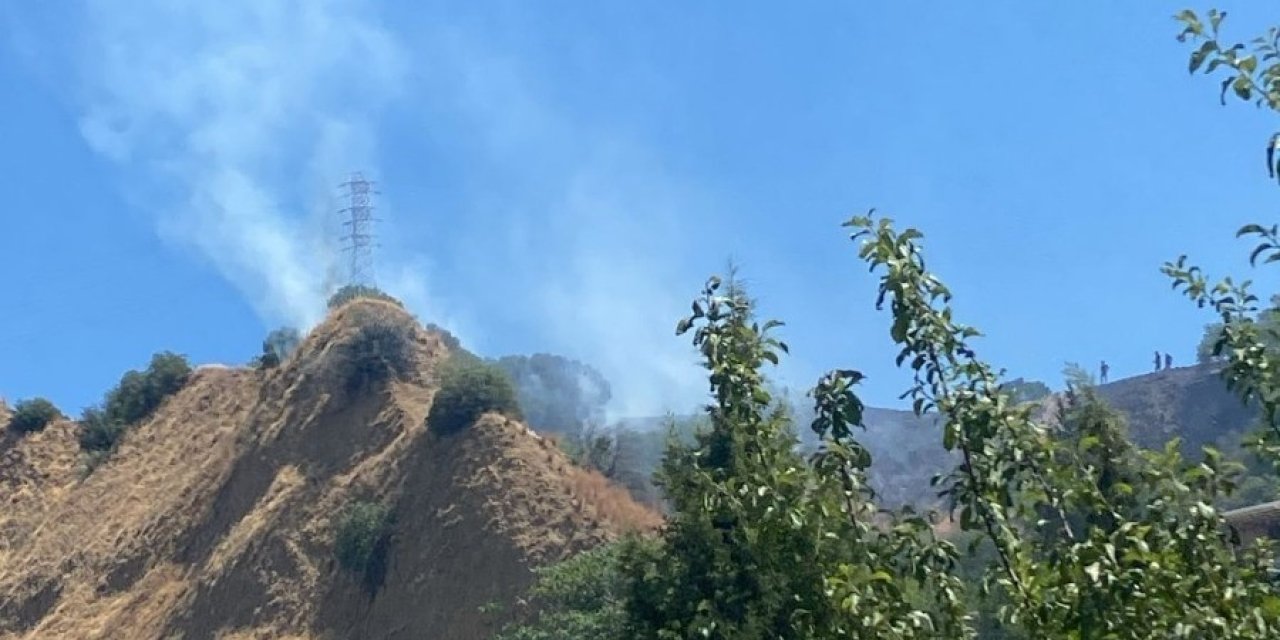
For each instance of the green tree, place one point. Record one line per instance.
(141, 392)
(1245, 335)
(581, 597)
(764, 544)
(1212, 343)
(469, 389)
(32, 415)
(1165, 569)
(97, 431)
(1087, 536)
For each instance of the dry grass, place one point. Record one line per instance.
(614, 504)
(213, 519)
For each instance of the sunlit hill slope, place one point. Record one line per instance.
(215, 517)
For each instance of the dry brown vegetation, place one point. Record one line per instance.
(214, 518)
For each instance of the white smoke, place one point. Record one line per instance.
(596, 240)
(238, 111)
(240, 117)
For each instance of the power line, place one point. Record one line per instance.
(358, 238)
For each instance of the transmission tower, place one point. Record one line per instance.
(358, 238)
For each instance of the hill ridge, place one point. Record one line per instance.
(215, 517)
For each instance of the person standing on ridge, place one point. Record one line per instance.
(1168, 362)
(1105, 369)
(1157, 361)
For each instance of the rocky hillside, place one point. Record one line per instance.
(215, 518)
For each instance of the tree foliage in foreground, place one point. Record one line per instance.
(1245, 334)
(762, 543)
(1210, 348)
(1087, 536)
(1163, 567)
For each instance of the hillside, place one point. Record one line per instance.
(215, 517)
(1192, 403)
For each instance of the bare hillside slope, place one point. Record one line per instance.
(215, 518)
(1191, 403)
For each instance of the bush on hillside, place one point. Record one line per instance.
(141, 393)
(97, 431)
(353, 291)
(380, 350)
(467, 390)
(33, 415)
(580, 597)
(361, 541)
(135, 398)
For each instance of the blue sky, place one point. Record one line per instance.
(562, 177)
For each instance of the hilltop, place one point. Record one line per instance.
(215, 517)
(1191, 403)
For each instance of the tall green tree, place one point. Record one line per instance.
(762, 543)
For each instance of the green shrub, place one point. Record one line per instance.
(33, 415)
(140, 393)
(382, 349)
(97, 431)
(135, 398)
(467, 390)
(352, 291)
(361, 541)
(581, 597)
